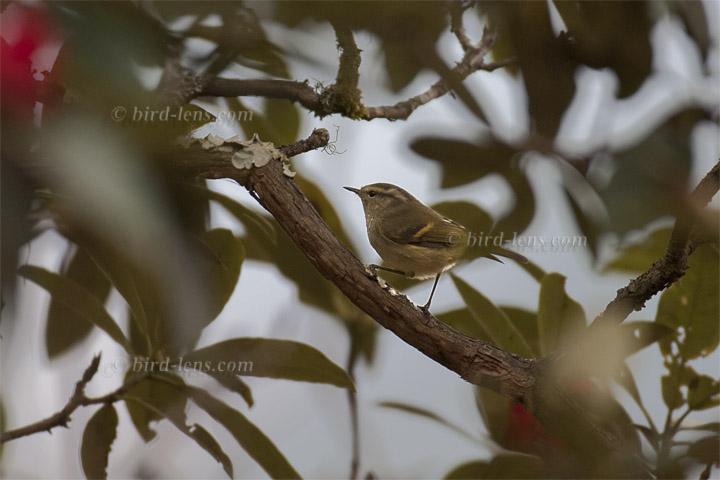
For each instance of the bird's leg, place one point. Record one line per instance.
(372, 268)
(432, 292)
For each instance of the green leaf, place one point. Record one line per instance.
(133, 284)
(234, 384)
(701, 390)
(533, 270)
(324, 207)
(464, 321)
(495, 412)
(78, 298)
(210, 445)
(469, 471)
(161, 396)
(505, 465)
(652, 437)
(706, 450)
(65, 327)
(626, 379)
(97, 440)
(245, 215)
(523, 211)
(549, 78)
(313, 288)
(527, 324)
(223, 273)
(498, 326)
(279, 124)
(624, 29)
(711, 426)
(515, 465)
(421, 412)
(640, 256)
(640, 334)
(559, 316)
(175, 413)
(249, 436)
(464, 162)
(652, 175)
(586, 207)
(691, 305)
(678, 376)
(267, 357)
(284, 117)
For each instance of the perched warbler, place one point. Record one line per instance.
(412, 238)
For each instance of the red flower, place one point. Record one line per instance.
(25, 30)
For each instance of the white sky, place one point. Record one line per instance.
(309, 422)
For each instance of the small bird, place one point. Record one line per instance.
(412, 238)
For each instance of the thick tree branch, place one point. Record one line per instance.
(532, 382)
(480, 363)
(301, 92)
(670, 267)
(78, 399)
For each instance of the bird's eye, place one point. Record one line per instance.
(372, 193)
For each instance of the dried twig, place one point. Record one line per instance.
(343, 97)
(78, 399)
(669, 268)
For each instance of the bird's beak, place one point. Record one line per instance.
(356, 191)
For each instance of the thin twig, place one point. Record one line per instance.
(328, 100)
(471, 62)
(319, 138)
(670, 267)
(457, 9)
(78, 399)
(354, 418)
(348, 74)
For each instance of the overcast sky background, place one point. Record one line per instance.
(308, 422)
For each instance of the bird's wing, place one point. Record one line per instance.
(431, 232)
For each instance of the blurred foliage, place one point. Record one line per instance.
(690, 308)
(551, 453)
(560, 318)
(407, 33)
(640, 256)
(97, 440)
(616, 36)
(544, 58)
(134, 227)
(464, 162)
(65, 328)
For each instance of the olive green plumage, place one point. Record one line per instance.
(412, 238)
